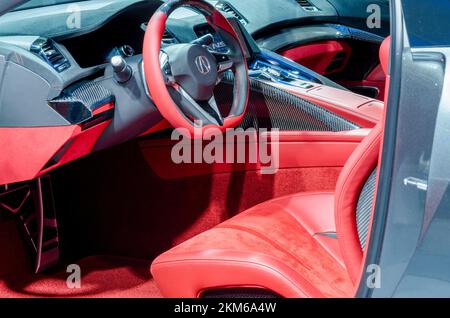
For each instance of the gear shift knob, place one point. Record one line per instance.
(122, 71)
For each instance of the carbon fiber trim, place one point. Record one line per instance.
(91, 94)
(364, 208)
(77, 102)
(270, 107)
(362, 35)
(301, 35)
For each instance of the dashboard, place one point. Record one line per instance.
(95, 43)
(60, 60)
(67, 86)
(261, 18)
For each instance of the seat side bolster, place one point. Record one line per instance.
(356, 171)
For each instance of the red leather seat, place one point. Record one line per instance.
(272, 245)
(303, 245)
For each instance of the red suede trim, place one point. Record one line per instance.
(265, 238)
(79, 145)
(25, 160)
(29, 149)
(222, 205)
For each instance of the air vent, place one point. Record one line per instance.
(48, 51)
(307, 6)
(228, 8)
(168, 38)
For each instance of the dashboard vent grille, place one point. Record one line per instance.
(168, 38)
(48, 51)
(228, 8)
(306, 5)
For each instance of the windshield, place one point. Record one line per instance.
(42, 3)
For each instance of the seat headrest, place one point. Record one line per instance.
(385, 49)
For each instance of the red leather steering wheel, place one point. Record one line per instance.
(181, 77)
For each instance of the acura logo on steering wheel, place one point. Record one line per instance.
(202, 64)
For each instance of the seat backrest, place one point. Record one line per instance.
(355, 192)
(385, 49)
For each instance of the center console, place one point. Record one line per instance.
(272, 69)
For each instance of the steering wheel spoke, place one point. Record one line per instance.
(224, 61)
(222, 67)
(165, 68)
(213, 106)
(206, 112)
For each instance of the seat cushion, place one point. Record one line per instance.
(286, 245)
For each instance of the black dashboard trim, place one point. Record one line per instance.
(299, 35)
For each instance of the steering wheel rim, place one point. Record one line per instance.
(157, 82)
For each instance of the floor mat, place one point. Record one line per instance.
(101, 276)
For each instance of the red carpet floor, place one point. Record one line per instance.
(101, 276)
